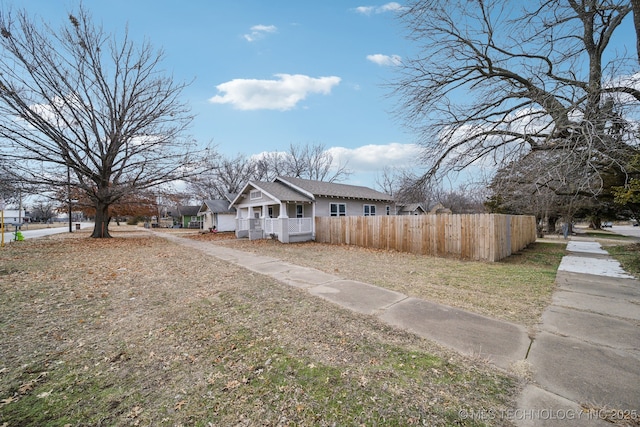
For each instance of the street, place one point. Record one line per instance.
(9, 232)
(626, 230)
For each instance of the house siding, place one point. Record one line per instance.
(355, 207)
(258, 204)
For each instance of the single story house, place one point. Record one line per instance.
(219, 214)
(411, 209)
(286, 208)
(188, 216)
(13, 217)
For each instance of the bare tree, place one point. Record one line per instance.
(85, 109)
(43, 210)
(300, 161)
(228, 176)
(497, 80)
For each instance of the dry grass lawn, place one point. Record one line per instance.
(516, 289)
(136, 330)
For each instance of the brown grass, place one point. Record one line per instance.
(139, 331)
(516, 289)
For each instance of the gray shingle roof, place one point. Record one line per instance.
(218, 206)
(188, 210)
(281, 191)
(331, 189)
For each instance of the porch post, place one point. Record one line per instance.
(313, 220)
(283, 220)
(283, 210)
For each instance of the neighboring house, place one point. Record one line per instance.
(189, 216)
(286, 208)
(218, 214)
(14, 217)
(411, 209)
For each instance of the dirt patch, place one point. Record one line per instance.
(139, 331)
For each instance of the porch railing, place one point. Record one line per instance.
(274, 225)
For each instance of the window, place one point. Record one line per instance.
(255, 194)
(299, 211)
(369, 210)
(338, 209)
(270, 211)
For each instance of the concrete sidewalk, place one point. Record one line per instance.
(496, 341)
(586, 351)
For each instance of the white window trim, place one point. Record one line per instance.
(255, 195)
(338, 209)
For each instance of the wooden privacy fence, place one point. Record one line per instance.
(485, 237)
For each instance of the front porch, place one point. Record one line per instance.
(286, 230)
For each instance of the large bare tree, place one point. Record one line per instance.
(494, 81)
(85, 109)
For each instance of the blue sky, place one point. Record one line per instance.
(268, 74)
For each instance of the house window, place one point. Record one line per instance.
(369, 210)
(194, 218)
(255, 194)
(338, 209)
(270, 212)
(388, 209)
(299, 211)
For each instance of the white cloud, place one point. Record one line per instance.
(385, 60)
(281, 94)
(374, 157)
(365, 10)
(369, 10)
(260, 31)
(390, 7)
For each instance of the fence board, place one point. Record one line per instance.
(485, 237)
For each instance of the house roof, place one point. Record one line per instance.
(281, 192)
(332, 189)
(188, 210)
(411, 207)
(216, 206)
(288, 189)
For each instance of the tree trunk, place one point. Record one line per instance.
(101, 228)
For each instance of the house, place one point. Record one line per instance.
(13, 217)
(218, 214)
(188, 216)
(411, 209)
(286, 208)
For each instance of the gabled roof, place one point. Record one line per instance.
(411, 207)
(275, 190)
(332, 189)
(298, 190)
(188, 210)
(216, 206)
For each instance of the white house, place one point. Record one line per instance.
(287, 207)
(218, 214)
(13, 217)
